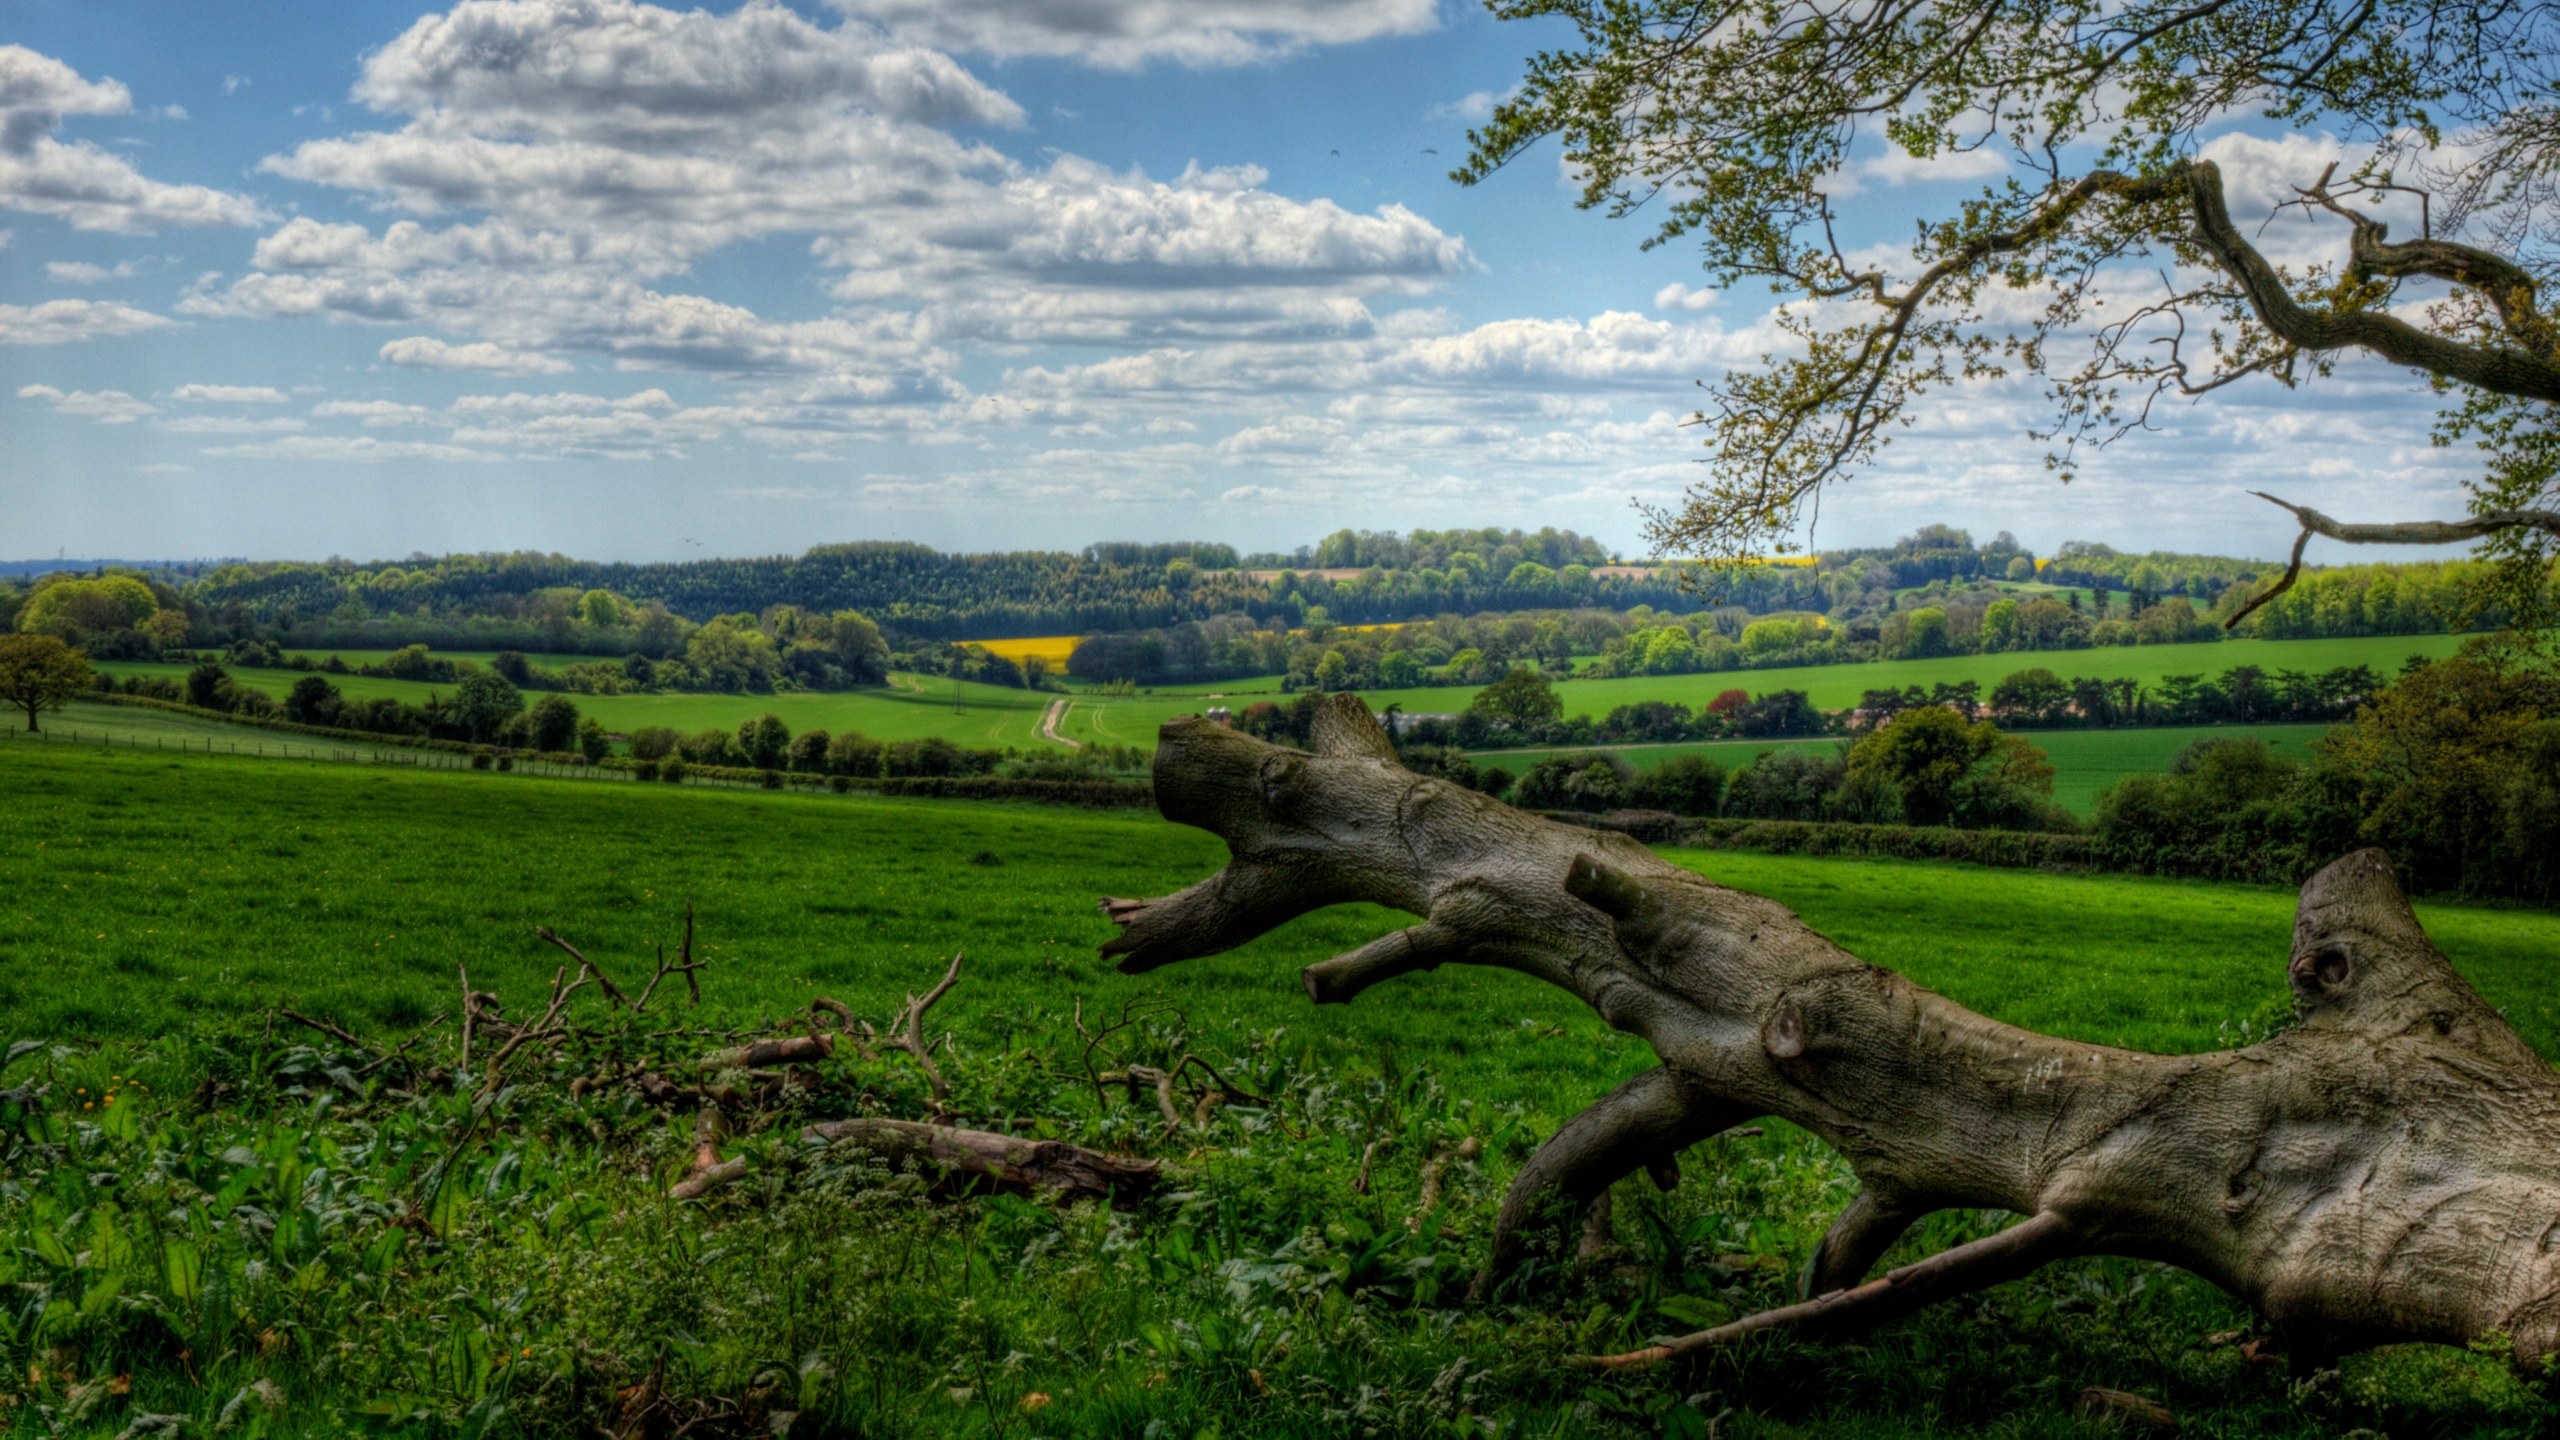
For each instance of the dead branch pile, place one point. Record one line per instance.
(757, 1078)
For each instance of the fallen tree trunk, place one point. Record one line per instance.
(2387, 1171)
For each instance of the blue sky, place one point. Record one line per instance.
(630, 282)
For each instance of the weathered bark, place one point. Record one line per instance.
(2390, 1170)
(1051, 1168)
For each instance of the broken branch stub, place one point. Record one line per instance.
(2388, 1171)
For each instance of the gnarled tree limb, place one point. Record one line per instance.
(2406, 532)
(2390, 1170)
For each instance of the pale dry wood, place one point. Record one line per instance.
(2387, 1171)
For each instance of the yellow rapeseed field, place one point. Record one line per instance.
(1055, 648)
(1052, 648)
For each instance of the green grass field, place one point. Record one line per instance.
(368, 885)
(913, 707)
(156, 904)
(137, 727)
(2084, 761)
(917, 706)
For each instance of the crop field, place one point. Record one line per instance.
(2084, 761)
(152, 907)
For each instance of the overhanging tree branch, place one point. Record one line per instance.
(2406, 532)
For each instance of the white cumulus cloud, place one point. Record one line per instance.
(57, 321)
(1677, 296)
(106, 407)
(359, 449)
(425, 352)
(229, 425)
(594, 148)
(374, 413)
(78, 182)
(80, 272)
(1121, 34)
(229, 394)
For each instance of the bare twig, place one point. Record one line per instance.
(1986, 1262)
(323, 1026)
(398, 1050)
(685, 965)
(2407, 532)
(1432, 1173)
(709, 1171)
(907, 1032)
(467, 1012)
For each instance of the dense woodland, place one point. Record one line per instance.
(1458, 607)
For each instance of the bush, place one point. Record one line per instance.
(772, 779)
(1686, 785)
(484, 702)
(1779, 714)
(1790, 784)
(480, 759)
(1591, 783)
(809, 752)
(852, 753)
(709, 747)
(205, 685)
(1448, 762)
(935, 756)
(2030, 849)
(1935, 768)
(645, 770)
(553, 723)
(672, 770)
(1524, 700)
(312, 701)
(764, 742)
(593, 743)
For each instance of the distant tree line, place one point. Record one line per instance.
(1933, 592)
(2453, 767)
(766, 743)
(916, 591)
(2242, 695)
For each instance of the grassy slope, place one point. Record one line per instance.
(142, 888)
(2084, 761)
(142, 728)
(913, 707)
(142, 894)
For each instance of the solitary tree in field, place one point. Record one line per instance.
(1523, 699)
(40, 673)
(483, 702)
(1734, 123)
